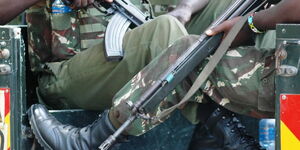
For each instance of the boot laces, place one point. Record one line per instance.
(69, 127)
(244, 138)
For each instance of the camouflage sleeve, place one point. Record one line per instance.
(59, 36)
(39, 35)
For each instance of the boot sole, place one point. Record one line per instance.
(37, 134)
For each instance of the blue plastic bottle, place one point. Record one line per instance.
(267, 133)
(58, 7)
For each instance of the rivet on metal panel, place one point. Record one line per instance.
(4, 54)
(3, 34)
(2, 44)
(283, 97)
(284, 42)
(5, 69)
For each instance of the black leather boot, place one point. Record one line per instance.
(53, 135)
(223, 131)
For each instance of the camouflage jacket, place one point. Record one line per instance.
(55, 37)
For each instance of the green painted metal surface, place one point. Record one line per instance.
(288, 77)
(12, 76)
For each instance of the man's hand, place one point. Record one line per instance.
(244, 37)
(186, 8)
(9, 9)
(264, 20)
(81, 3)
(183, 14)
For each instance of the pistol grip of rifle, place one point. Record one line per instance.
(114, 34)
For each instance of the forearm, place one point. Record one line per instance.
(9, 9)
(287, 11)
(186, 8)
(193, 5)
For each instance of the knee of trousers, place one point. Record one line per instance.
(121, 112)
(167, 29)
(154, 36)
(167, 19)
(171, 23)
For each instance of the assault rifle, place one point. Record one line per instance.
(125, 15)
(183, 66)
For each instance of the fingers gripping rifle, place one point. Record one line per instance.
(178, 71)
(125, 15)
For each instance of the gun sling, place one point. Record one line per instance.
(210, 66)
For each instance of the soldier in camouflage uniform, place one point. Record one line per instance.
(250, 69)
(86, 28)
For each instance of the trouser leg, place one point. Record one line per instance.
(132, 90)
(88, 81)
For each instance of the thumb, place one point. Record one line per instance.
(210, 32)
(218, 29)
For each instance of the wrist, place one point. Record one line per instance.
(252, 26)
(184, 6)
(182, 13)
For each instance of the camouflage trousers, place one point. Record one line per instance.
(242, 82)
